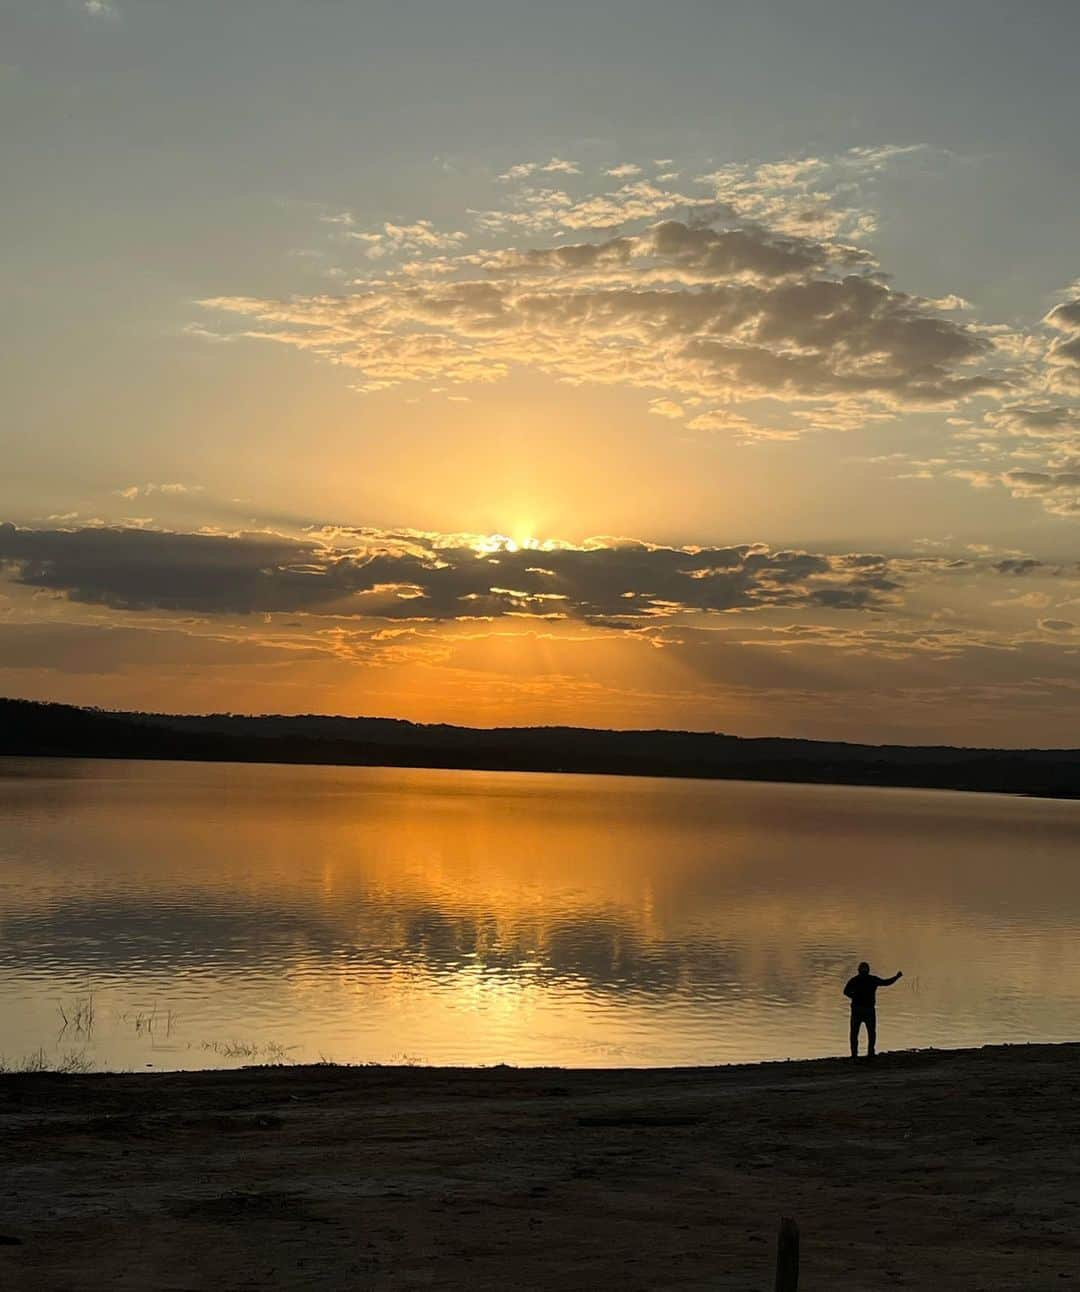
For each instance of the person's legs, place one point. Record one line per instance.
(871, 1033)
(855, 1034)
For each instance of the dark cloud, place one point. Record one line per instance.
(1057, 489)
(1066, 316)
(1019, 565)
(392, 576)
(1035, 421)
(726, 253)
(694, 251)
(132, 569)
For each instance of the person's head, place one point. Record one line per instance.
(864, 967)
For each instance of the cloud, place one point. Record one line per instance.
(806, 195)
(1063, 356)
(803, 196)
(420, 236)
(1058, 491)
(101, 9)
(1065, 317)
(547, 211)
(1030, 443)
(1019, 566)
(408, 576)
(556, 166)
(747, 310)
(717, 313)
(1035, 421)
(169, 489)
(458, 627)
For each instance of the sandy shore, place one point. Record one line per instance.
(925, 1170)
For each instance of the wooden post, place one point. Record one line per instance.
(787, 1257)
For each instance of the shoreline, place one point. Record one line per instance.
(925, 1169)
(740, 777)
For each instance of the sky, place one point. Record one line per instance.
(707, 365)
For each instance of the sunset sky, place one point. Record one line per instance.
(708, 365)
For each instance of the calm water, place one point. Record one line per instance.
(225, 914)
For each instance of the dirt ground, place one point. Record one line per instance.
(931, 1170)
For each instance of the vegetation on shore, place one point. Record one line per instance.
(37, 729)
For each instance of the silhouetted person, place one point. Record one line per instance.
(862, 992)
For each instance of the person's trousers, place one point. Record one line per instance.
(858, 1018)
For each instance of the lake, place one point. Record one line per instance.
(186, 915)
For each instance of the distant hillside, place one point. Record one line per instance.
(57, 730)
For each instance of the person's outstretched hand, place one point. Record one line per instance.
(899, 973)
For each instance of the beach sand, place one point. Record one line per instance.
(930, 1170)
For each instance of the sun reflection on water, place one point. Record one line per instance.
(476, 917)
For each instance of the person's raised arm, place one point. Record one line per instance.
(888, 982)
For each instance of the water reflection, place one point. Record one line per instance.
(479, 917)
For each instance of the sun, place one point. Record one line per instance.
(519, 539)
(523, 537)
